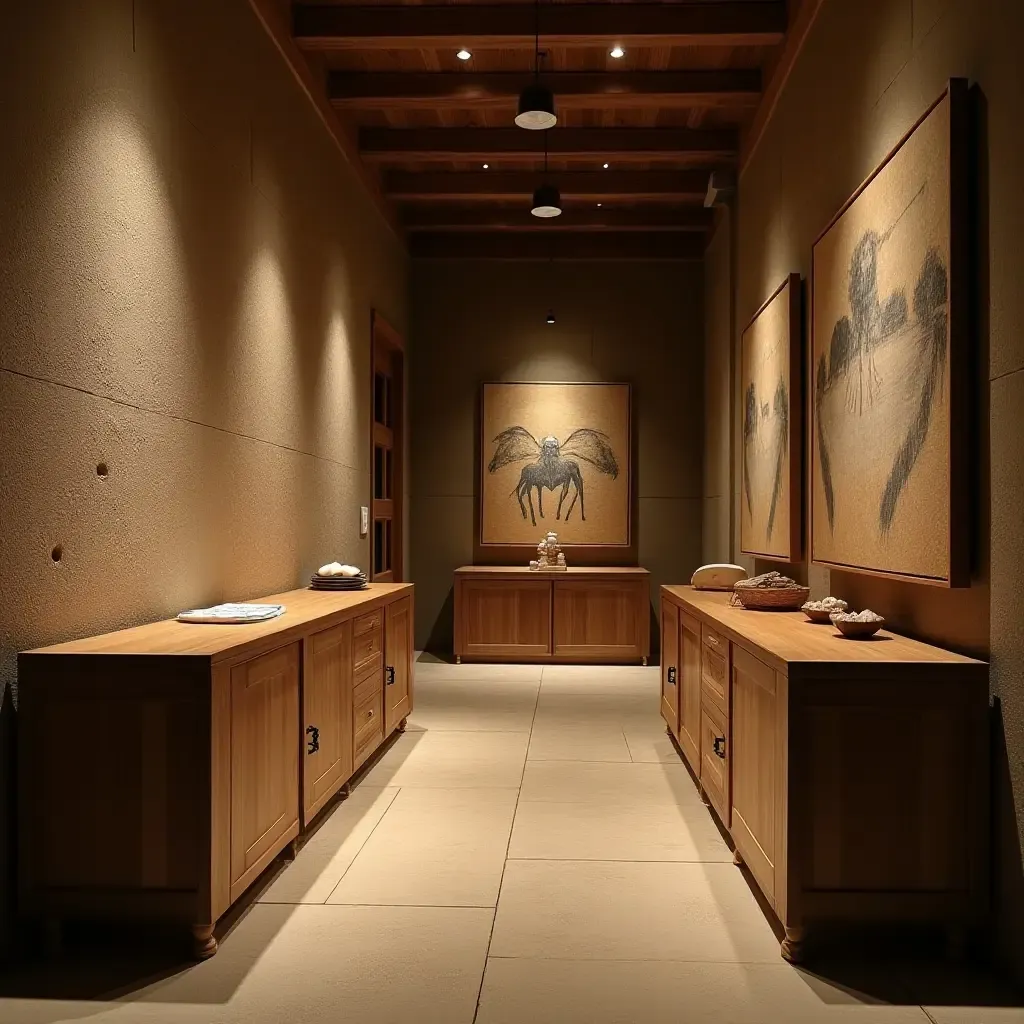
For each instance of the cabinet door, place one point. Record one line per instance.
(327, 716)
(755, 766)
(714, 758)
(601, 620)
(670, 665)
(264, 761)
(689, 690)
(503, 618)
(398, 648)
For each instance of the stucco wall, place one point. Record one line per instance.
(867, 72)
(472, 322)
(186, 279)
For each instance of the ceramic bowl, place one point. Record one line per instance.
(858, 630)
(817, 615)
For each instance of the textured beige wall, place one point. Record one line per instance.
(186, 279)
(473, 322)
(867, 72)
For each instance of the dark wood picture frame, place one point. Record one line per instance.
(578, 554)
(958, 350)
(793, 466)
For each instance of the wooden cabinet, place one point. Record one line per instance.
(689, 690)
(162, 768)
(264, 761)
(791, 732)
(398, 680)
(670, 665)
(756, 768)
(327, 716)
(581, 615)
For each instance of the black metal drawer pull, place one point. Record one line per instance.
(314, 739)
(719, 747)
(391, 675)
(672, 676)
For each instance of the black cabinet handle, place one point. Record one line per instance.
(719, 747)
(391, 675)
(314, 739)
(672, 676)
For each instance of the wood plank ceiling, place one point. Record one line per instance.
(636, 139)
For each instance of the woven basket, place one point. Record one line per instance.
(771, 599)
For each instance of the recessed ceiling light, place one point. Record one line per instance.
(617, 52)
(605, 166)
(486, 166)
(600, 204)
(463, 54)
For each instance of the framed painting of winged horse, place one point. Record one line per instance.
(555, 457)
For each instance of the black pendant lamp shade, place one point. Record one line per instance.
(536, 108)
(547, 202)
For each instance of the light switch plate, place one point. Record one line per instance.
(364, 520)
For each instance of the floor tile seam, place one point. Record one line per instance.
(616, 860)
(362, 845)
(644, 960)
(416, 906)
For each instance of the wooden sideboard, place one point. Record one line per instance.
(510, 613)
(162, 768)
(851, 775)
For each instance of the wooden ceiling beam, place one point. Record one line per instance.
(508, 26)
(495, 186)
(573, 89)
(542, 245)
(510, 144)
(446, 217)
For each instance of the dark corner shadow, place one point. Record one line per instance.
(106, 962)
(440, 643)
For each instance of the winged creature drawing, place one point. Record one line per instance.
(556, 464)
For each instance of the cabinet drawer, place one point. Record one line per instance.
(367, 623)
(368, 744)
(714, 667)
(366, 650)
(367, 717)
(367, 687)
(714, 763)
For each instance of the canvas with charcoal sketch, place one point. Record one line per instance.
(770, 435)
(555, 457)
(881, 366)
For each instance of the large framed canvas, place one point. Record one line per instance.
(890, 362)
(770, 512)
(555, 457)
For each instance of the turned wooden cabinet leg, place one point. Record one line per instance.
(794, 945)
(737, 858)
(645, 663)
(458, 659)
(402, 724)
(704, 797)
(204, 945)
(291, 850)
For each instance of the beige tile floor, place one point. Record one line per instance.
(530, 851)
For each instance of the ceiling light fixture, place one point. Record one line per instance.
(547, 201)
(551, 316)
(536, 102)
(463, 54)
(605, 166)
(486, 166)
(617, 52)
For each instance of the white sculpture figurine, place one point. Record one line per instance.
(549, 555)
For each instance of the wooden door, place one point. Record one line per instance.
(387, 456)
(503, 618)
(601, 620)
(689, 690)
(755, 767)
(327, 716)
(398, 671)
(670, 665)
(264, 761)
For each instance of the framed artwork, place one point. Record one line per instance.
(555, 457)
(770, 512)
(890, 362)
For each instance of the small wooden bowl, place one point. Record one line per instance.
(858, 630)
(823, 618)
(771, 599)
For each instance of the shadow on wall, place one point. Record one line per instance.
(8, 693)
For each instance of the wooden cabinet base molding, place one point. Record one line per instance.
(582, 615)
(852, 776)
(162, 768)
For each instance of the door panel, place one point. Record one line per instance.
(670, 665)
(264, 761)
(714, 759)
(398, 681)
(689, 690)
(505, 618)
(755, 766)
(600, 619)
(327, 708)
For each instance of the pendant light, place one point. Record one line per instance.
(547, 201)
(536, 102)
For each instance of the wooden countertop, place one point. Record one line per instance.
(220, 641)
(591, 571)
(790, 638)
